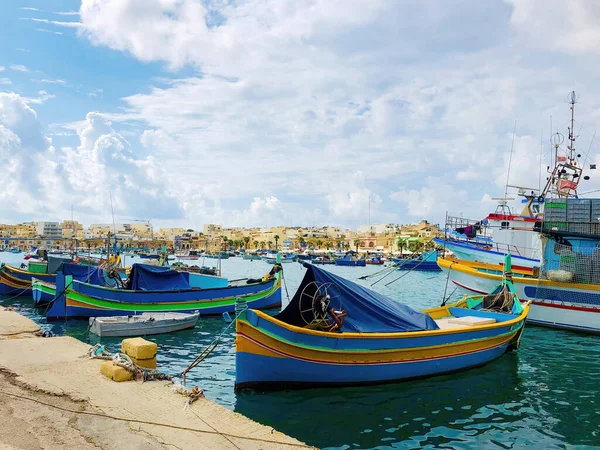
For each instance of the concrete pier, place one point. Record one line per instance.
(52, 396)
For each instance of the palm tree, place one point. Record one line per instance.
(401, 243)
(246, 241)
(328, 245)
(276, 237)
(319, 243)
(255, 244)
(416, 245)
(224, 244)
(356, 244)
(270, 244)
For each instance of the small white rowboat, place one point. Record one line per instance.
(142, 324)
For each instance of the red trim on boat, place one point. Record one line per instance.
(576, 308)
(494, 216)
(377, 363)
(468, 288)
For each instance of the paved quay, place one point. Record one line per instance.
(53, 397)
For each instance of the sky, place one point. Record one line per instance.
(277, 112)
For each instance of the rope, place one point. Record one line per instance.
(51, 302)
(404, 274)
(391, 266)
(120, 359)
(446, 288)
(16, 295)
(393, 269)
(210, 348)
(159, 424)
(285, 285)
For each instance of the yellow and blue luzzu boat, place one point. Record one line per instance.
(335, 332)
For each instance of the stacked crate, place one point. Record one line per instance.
(555, 215)
(579, 215)
(573, 215)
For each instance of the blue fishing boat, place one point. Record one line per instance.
(160, 289)
(217, 255)
(350, 259)
(335, 333)
(148, 255)
(426, 262)
(44, 291)
(271, 258)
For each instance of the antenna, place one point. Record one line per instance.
(512, 146)
(573, 98)
(541, 159)
(370, 229)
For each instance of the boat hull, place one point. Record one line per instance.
(132, 327)
(568, 306)
(85, 300)
(43, 292)
(270, 355)
(468, 252)
(418, 265)
(357, 263)
(17, 282)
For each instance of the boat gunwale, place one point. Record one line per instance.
(463, 266)
(358, 352)
(402, 335)
(274, 281)
(265, 293)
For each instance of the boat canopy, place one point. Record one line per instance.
(367, 311)
(87, 274)
(156, 278)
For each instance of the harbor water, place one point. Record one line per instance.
(547, 395)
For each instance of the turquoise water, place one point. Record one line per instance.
(545, 396)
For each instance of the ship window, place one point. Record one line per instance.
(504, 225)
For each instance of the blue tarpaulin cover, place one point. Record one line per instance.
(367, 311)
(87, 274)
(156, 278)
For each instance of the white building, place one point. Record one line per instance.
(380, 228)
(49, 230)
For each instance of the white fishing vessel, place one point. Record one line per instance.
(565, 286)
(142, 324)
(505, 231)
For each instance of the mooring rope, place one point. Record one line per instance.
(159, 424)
(210, 348)
(404, 274)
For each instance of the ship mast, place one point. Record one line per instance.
(571, 146)
(566, 174)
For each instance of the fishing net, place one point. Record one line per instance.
(576, 262)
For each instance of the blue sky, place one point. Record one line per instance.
(261, 113)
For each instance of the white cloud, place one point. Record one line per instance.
(43, 30)
(323, 104)
(5, 81)
(61, 82)
(46, 180)
(1, 68)
(42, 97)
(27, 8)
(433, 199)
(556, 25)
(19, 68)
(57, 23)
